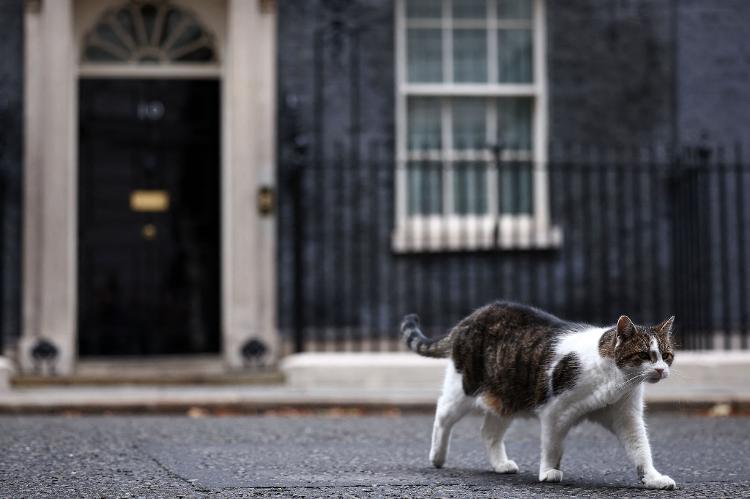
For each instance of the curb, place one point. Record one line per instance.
(218, 409)
(288, 402)
(315, 408)
(712, 383)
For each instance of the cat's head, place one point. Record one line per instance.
(644, 352)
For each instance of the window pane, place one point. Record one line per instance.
(425, 181)
(424, 58)
(514, 54)
(470, 55)
(470, 188)
(424, 124)
(469, 123)
(515, 187)
(514, 9)
(514, 122)
(424, 9)
(470, 9)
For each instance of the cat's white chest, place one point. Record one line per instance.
(599, 382)
(606, 387)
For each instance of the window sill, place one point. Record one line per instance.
(449, 234)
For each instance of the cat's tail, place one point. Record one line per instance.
(419, 343)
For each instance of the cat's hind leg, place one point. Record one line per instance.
(453, 405)
(493, 430)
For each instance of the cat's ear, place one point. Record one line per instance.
(666, 326)
(625, 326)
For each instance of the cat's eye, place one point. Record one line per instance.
(645, 355)
(667, 357)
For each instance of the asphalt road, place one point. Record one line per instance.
(347, 457)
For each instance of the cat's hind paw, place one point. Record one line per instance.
(508, 466)
(662, 482)
(551, 475)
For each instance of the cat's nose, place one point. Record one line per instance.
(660, 371)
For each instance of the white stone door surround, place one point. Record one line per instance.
(245, 32)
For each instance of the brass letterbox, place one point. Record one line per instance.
(149, 200)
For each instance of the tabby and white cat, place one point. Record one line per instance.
(513, 360)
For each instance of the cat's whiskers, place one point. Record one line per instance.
(635, 379)
(681, 375)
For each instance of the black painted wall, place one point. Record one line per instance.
(336, 102)
(610, 71)
(714, 61)
(611, 83)
(11, 170)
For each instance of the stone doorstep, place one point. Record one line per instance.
(707, 372)
(6, 372)
(162, 370)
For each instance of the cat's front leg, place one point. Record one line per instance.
(625, 420)
(554, 431)
(631, 431)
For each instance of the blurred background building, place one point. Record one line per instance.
(247, 178)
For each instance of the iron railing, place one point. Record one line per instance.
(640, 231)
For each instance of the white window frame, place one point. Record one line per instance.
(449, 231)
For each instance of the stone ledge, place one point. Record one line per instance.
(369, 383)
(363, 370)
(702, 371)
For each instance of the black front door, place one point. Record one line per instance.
(148, 257)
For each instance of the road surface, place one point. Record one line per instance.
(373, 456)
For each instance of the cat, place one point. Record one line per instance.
(513, 360)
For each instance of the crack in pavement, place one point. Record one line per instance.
(171, 473)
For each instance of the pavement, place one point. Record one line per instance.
(222, 399)
(377, 456)
(717, 382)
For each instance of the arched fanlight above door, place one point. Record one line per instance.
(143, 32)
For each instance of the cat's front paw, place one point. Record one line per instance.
(551, 475)
(657, 481)
(508, 466)
(437, 458)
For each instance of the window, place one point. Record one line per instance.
(148, 32)
(471, 125)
